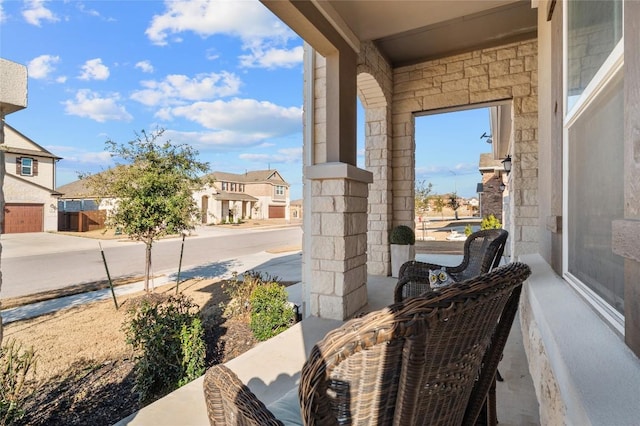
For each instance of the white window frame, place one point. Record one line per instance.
(280, 190)
(22, 166)
(610, 70)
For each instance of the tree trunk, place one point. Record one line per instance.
(147, 267)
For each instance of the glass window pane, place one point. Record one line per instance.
(594, 29)
(596, 195)
(26, 166)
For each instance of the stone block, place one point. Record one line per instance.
(333, 224)
(322, 204)
(355, 301)
(508, 53)
(331, 307)
(479, 83)
(455, 67)
(434, 70)
(323, 282)
(499, 68)
(521, 90)
(476, 70)
(322, 248)
(453, 86)
(490, 95)
(408, 105)
(496, 82)
(487, 57)
(445, 100)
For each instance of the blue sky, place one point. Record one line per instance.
(223, 76)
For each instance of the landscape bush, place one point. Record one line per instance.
(15, 365)
(239, 290)
(271, 313)
(167, 337)
(490, 222)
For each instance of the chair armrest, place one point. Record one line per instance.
(410, 286)
(417, 269)
(230, 402)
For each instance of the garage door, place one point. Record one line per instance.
(20, 218)
(276, 212)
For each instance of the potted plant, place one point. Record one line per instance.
(402, 240)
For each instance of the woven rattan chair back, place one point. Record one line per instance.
(427, 360)
(415, 362)
(482, 252)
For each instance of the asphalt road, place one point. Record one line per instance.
(43, 262)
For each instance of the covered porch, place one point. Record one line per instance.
(404, 59)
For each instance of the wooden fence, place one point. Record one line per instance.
(84, 221)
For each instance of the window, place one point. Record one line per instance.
(26, 166)
(279, 191)
(594, 142)
(224, 186)
(594, 28)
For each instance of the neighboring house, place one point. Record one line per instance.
(259, 194)
(29, 185)
(76, 197)
(295, 209)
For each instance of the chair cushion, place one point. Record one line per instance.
(287, 408)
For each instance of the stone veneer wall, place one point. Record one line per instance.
(374, 90)
(339, 238)
(502, 73)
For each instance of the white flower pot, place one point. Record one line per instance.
(399, 255)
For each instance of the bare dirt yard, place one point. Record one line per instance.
(84, 373)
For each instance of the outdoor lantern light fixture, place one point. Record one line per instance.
(507, 164)
(502, 187)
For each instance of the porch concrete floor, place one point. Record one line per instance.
(273, 367)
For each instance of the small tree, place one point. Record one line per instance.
(454, 203)
(153, 189)
(439, 205)
(423, 190)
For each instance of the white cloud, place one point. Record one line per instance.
(42, 66)
(145, 66)
(61, 79)
(249, 20)
(91, 105)
(75, 155)
(3, 17)
(272, 58)
(35, 12)
(94, 69)
(260, 31)
(176, 89)
(244, 116)
(83, 8)
(286, 155)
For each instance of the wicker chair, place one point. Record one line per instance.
(482, 252)
(427, 360)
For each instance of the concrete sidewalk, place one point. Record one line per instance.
(284, 266)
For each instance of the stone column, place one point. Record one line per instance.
(338, 287)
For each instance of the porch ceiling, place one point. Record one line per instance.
(412, 31)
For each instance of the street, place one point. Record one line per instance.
(77, 260)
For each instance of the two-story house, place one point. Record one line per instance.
(29, 185)
(258, 194)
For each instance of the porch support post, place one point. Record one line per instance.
(338, 260)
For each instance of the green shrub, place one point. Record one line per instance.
(193, 351)
(402, 234)
(15, 365)
(166, 335)
(271, 313)
(468, 230)
(239, 291)
(490, 222)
